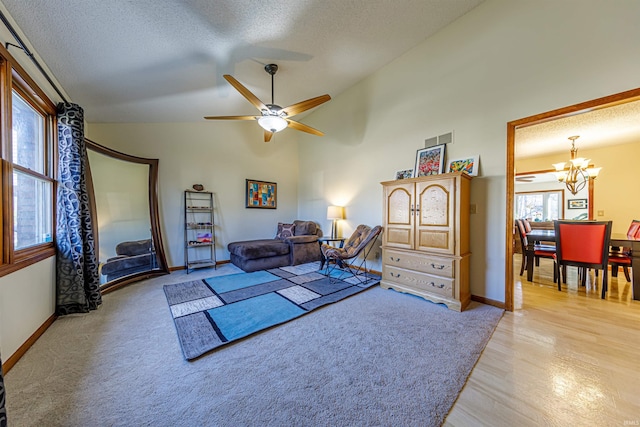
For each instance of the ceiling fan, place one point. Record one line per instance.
(525, 178)
(273, 117)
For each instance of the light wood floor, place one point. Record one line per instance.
(561, 358)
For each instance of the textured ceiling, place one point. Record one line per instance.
(163, 60)
(615, 125)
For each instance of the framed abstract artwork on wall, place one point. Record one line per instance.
(261, 194)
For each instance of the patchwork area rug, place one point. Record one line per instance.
(212, 312)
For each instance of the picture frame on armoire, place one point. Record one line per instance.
(469, 164)
(429, 161)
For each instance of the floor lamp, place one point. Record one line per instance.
(335, 213)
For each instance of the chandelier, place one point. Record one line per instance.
(577, 173)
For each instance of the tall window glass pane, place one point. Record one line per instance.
(27, 135)
(31, 211)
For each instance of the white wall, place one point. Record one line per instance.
(220, 156)
(504, 60)
(27, 300)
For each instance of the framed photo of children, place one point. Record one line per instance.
(469, 165)
(261, 194)
(429, 161)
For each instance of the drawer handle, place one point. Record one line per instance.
(437, 267)
(394, 275)
(394, 260)
(440, 286)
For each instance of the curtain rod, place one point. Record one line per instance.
(26, 50)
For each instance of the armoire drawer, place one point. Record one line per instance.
(417, 280)
(420, 262)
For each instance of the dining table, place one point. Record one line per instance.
(535, 236)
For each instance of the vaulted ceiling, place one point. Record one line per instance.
(163, 60)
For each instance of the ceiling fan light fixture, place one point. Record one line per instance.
(272, 123)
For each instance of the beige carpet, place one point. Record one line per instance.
(377, 358)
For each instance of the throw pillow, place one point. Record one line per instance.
(285, 230)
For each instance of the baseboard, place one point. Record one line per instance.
(13, 359)
(488, 301)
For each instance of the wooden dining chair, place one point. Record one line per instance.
(540, 251)
(621, 257)
(583, 244)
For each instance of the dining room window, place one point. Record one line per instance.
(539, 206)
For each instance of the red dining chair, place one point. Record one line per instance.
(583, 244)
(621, 257)
(540, 251)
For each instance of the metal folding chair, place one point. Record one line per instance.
(344, 261)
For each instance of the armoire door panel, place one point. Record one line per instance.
(399, 216)
(433, 239)
(435, 204)
(435, 228)
(399, 237)
(399, 207)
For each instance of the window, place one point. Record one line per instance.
(32, 191)
(27, 169)
(540, 206)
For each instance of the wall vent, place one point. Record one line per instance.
(446, 138)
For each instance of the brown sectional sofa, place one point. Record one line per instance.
(299, 247)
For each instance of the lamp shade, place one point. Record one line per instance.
(272, 123)
(335, 212)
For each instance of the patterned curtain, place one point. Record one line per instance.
(77, 279)
(3, 411)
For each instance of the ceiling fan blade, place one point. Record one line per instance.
(304, 128)
(231, 118)
(245, 92)
(299, 107)
(267, 136)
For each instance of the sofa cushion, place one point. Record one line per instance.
(302, 239)
(285, 230)
(305, 228)
(253, 249)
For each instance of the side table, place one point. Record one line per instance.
(329, 240)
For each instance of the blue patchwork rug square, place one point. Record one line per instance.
(212, 312)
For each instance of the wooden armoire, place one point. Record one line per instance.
(425, 244)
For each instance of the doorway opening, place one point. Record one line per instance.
(573, 110)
